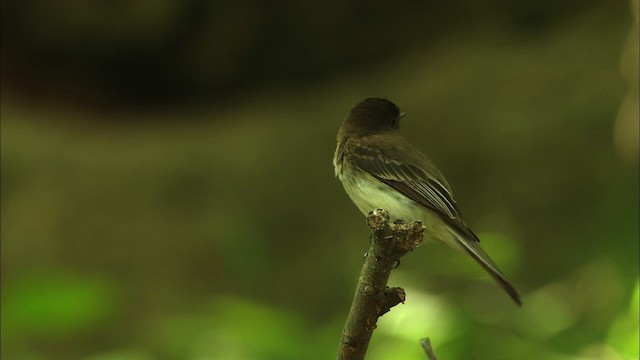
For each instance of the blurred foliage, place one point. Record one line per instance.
(214, 228)
(152, 51)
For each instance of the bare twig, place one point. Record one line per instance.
(373, 298)
(426, 345)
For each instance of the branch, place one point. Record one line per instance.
(373, 298)
(426, 346)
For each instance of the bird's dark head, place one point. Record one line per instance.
(372, 116)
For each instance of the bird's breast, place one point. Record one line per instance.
(369, 193)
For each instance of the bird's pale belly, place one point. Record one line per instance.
(368, 193)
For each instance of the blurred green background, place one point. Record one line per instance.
(168, 192)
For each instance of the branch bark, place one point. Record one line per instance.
(372, 299)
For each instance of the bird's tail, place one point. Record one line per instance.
(472, 247)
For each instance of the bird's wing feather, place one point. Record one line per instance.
(410, 177)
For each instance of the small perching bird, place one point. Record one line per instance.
(380, 169)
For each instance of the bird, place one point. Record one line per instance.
(380, 169)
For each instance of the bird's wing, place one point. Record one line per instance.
(416, 178)
(413, 176)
